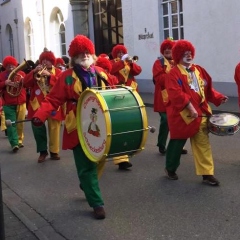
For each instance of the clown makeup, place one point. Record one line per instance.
(187, 57)
(85, 60)
(167, 53)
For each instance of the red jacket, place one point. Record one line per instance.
(180, 94)
(67, 89)
(237, 80)
(37, 95)
(125, 72)
(7, 98)
(160, 69)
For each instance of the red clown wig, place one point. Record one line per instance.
(80, 44)
(118, 48)
(104, 63)
(9, 60)
(180, 48)
(60, 61)
(48, 55)
(166, 44)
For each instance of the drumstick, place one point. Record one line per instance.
(9, 123)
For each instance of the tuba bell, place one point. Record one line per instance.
(17, 80)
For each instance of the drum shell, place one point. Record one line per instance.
(124, 117)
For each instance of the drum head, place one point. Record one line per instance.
(224, 119)
(93, 125)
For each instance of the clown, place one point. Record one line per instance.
(14, 107)
(72, 82)
(190, 90)
(40, 82)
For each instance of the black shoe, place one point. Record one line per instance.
(6, 132)
(124, 165)
(162, 150)
(184, 151)
(210, 180)
(80, 185)
(171, 175)
(15, 149)
(99, 212)
(20, 145)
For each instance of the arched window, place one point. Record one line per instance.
(62, 40)
(172, 13)
(58, 27)
(10, 38)
(30, 41)
(108, 26)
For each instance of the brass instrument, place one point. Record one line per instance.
(39, 74)
(17, 79)
(43, 81)
(132, 59)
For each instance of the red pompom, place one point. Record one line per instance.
(166, 44)
(9, 60)
(118, 48)
(104, 63)
(80, 44)
(47, 55)
(180, 48)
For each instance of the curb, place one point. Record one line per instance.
(38, 225)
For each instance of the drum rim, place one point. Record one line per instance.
(108, 127)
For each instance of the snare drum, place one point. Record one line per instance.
(111, 123)
(223, 124)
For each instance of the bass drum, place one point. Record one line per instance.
(111, 123)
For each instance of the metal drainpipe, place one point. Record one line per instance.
(44, 30)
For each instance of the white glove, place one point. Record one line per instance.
(124, 57)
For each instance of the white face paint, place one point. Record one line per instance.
(187, 60)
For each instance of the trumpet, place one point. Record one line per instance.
(39, 73)
(132, 59)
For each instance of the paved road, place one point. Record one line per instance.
(140, 204)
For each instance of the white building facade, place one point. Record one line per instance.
(27, 26)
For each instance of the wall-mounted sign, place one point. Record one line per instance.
(146, 35)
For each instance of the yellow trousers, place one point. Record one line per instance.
(21, 114)
(3, 125)
(54, 135)
(202, 151)
(123, 158)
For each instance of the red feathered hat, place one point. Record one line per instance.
(9, 60)
(48, 55)
(180, 48)
(118, 48)
(103, 55)
(166, 44)
(60, 61)
(80, 44)
(104, 63)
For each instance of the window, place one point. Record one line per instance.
(62, 40)
(10, 37)
(30, 41)
(172, 13)
(108, 27)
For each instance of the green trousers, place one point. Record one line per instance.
(173, 154)
(163, 131)
(15, 131)
(88, 177)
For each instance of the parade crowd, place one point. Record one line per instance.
(46, 94)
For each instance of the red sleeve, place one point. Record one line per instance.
(116, 66)
(135, 69)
